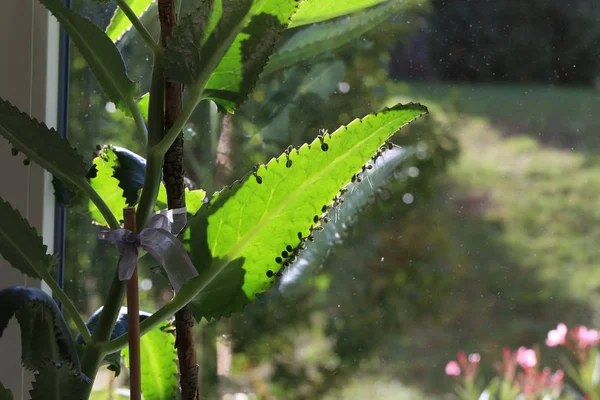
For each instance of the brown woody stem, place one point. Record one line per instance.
(133, 319)
(173, 174)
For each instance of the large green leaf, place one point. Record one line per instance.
(58, 381)
(159, 363)
(120, 24)
(5, 394)
(247, 232)
(41, 144)
(99, 51)
(328, 36)
(220, 51)
(385, 169)
(312, 11)
(44, 333)
(21, 245)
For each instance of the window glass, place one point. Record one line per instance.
(482, 235)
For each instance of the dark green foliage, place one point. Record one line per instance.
(489, 40)
(58, 381)
(100, 53)
(129, 171)
(16, 235)
(113, 360)
(44, 333)
(5, 394)
(41, 144)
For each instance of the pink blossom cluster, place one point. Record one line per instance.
(579, 337)
(518, 367)
(466, 366)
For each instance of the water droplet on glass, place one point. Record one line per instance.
(343, 87)
(146, 284)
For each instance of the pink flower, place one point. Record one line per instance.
(526, 358)
(558, 336)
(586, 337)
(452, 369)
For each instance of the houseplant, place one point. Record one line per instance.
(238, 241)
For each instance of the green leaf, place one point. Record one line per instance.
(143, 103)
(193, 199)
(44, 333)
(120, 24)
(355, 199)
(21, 246)
(312, 11)
(328, 36)
(107, 186)
(220, 51)
(237, 239)
(5, 394)
(159, 363)
(42, 145)
(99, 51)
(120, 177)
(58, 382)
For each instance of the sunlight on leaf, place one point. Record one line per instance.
(120, 24)
(226, 47)
(329, 36)
(159, 363)
(312, 11)
(249, 231)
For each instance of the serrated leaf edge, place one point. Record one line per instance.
(51, 260)
(25, 149)
(237, 307)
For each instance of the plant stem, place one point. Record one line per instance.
(156, 123)
(156, 49)
(69, 307)
(140, 124)
(93, 353)
(90, 364)
(177, 127)
(180, 300)
(173, 173)
(133, 319)
(150, 189)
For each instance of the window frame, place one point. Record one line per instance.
(29, 79)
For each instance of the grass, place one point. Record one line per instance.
(528, 153)
(514, 222)
(564, 117)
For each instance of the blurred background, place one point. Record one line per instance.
(480, 232)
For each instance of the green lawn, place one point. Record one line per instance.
(515, 221)
(529, 164)
(557, 116)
